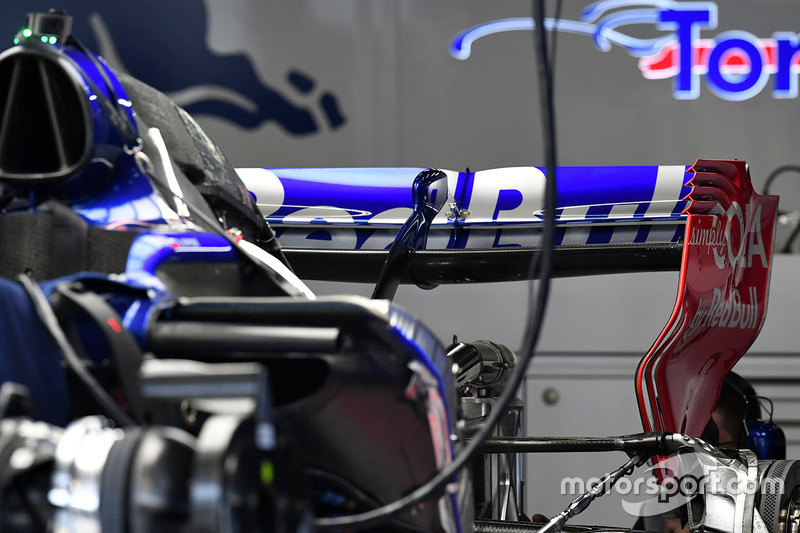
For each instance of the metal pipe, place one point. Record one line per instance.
(551, 444)
(652, 443)
(190, 338)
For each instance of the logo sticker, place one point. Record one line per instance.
(736, 65)
(166, 45)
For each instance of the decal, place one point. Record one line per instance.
(507, 194)
(363, 208)
(165, 45)
(720, 241)
(732, 312)
(736, 65)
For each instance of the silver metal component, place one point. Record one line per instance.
(750, 490)
(208, 496)
(80, 458)
(481, 364)
(135, 149)
(38, 441)
(467, 369)
(179, 379)
(143, 163)
(793, 513)
(501, 493)
(724, 499)
(457, 213)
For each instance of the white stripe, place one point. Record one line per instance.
(577, 212)
(661, 233)
(282, 276)
(624, 234)
(169, 173)
(669, 182)
(623, 210)
(576, 236)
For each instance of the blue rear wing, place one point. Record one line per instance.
(338, 223)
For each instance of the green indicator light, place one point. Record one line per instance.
(44, 38)
(267, 472)
(27, 32)
(16, 41)
(53, 39)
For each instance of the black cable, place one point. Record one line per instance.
(787, 248)
(554, 39)
(444, 476)
(762, 399)
(74, 361)
(777, 172)
(547, 107)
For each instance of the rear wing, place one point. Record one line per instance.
(704, 220)
(338, 224)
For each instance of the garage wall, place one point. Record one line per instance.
(403, 99)
(355, 83)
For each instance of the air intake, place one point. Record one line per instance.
(45, 120)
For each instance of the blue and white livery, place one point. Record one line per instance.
(363, 208)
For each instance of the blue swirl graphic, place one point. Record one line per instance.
(592, 12)
(596, 22)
